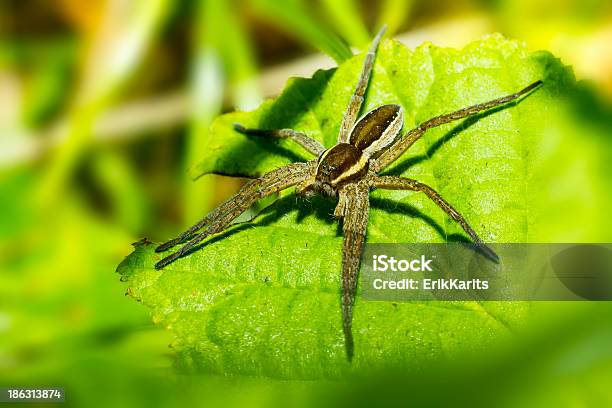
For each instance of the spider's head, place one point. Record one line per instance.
(337, 166)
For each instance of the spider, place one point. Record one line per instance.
(348, 171)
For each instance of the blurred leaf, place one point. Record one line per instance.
(294, 18)
(48, 79)
(58, 303)
(394, 13)
(116, 176)
(263, 298)
(580, 32)
(84, 17)
(15, 208)
(220, 32)
(113, 51)
(347, 19)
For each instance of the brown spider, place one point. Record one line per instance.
(348, 171)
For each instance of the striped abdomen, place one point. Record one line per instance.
(377, 129)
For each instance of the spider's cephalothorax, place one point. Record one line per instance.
(348, 171)
(348, 162)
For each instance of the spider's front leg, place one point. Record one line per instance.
(222, 216)
(354, 106)
(401, 183)
(356, 212)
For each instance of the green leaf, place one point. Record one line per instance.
(263, 298)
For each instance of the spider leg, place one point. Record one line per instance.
(220, 218)
(354, 227)
(401, 183)
(354, 106)
(311, 145)
(404, 143)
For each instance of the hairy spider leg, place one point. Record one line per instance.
(354, 106)
(220, 218)
(357, 206)
(401, 183)
(311, 145)
(402, 144)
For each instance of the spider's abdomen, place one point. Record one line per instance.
(377, 129)
(341, 164)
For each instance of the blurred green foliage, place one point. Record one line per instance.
(73, 198)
